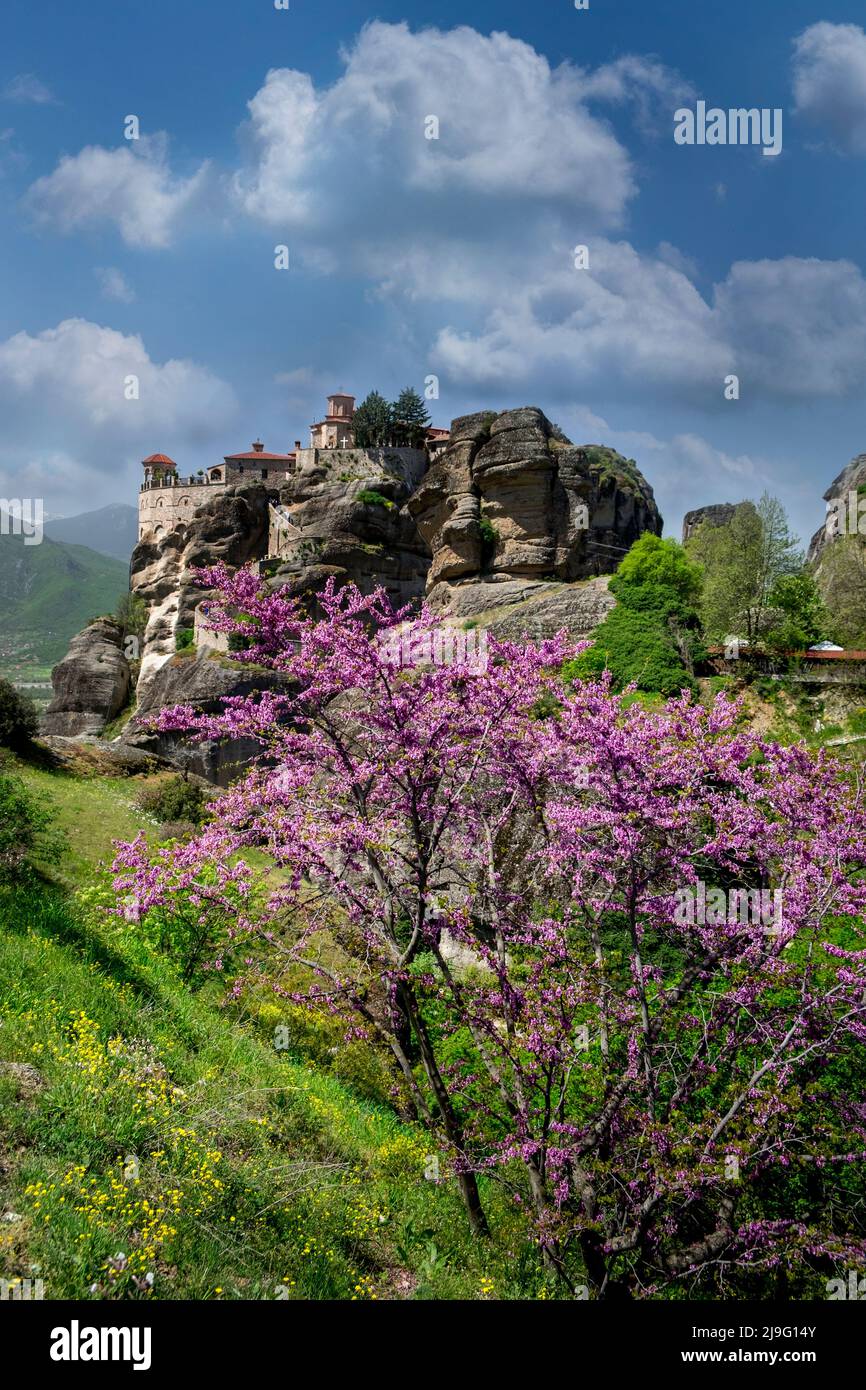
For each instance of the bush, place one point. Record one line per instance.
(489, 538)
(132, 614)
(184, 639)
(634, 646)
(18, 718)
(26, 829)
(371, 498)
(652, 637)
(177, 830)
(174, 801)
(657, 565)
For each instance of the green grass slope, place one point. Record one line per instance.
(155, 1144)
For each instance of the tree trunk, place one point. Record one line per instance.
(466, 1182)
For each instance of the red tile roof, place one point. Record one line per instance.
(257, 454)
(161, 458)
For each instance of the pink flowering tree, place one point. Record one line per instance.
(617, 957)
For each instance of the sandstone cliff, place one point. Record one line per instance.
(514, 515)
(91, 683)
(202, 679)
(716, 514)
(852, 477)
(345, 515)
(233, 527)
(513, 529)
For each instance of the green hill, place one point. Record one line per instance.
(141, 1117)
(47, 594)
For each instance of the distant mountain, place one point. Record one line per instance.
(49, 592)
(109, 530)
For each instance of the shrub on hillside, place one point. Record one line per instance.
(132, 614)
(18, 719)
(26, 829)
(173, 801)
(634, 645)
(652, 637)
(371, 498)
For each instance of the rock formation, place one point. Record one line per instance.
(202, 679)
(716, 514)
(512, 528)
(233, 527)
(852, 477)
(514, 515)
(91, 683)
(345, 515)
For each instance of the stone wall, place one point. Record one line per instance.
(162, 509)
(350, 465)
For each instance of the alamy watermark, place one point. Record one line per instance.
(23, 516)
(853, 1289)
(702, 906)
(736, 126)
(21, 1290)
(444, 646)
(846, 516)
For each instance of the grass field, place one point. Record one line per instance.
(155, 1144)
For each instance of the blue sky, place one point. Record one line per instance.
(412, 257)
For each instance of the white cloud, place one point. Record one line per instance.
(628, 318)
(797, 326)
(789, 329)
(470, 236)
(673, 256)
(510, 127)
(686, 459)
(693, 455)
(132, 187)
(72, 380)
(830, 81)
(27, 88)
(645, 83)
(114, 284)
(11, 157)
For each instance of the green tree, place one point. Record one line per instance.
(372, 425)
(411, 419)
(175, 800)
(131, 613)
(665, 563)
(652, 637)
(742, 561)
(842, 578)
(800, 617)
(18, 718)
